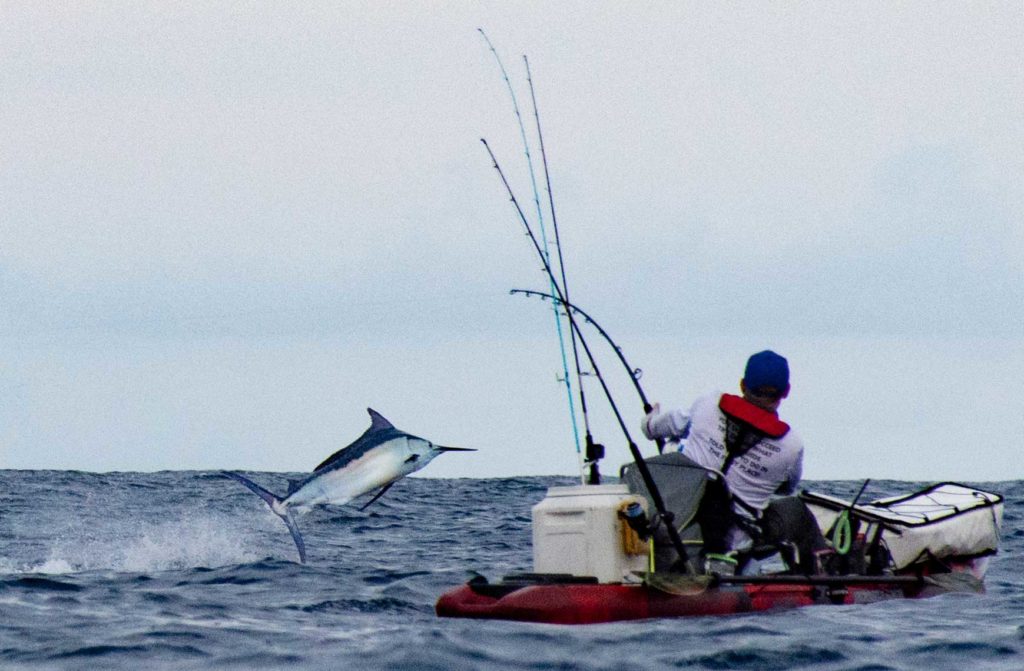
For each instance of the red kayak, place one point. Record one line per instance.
(589, 569)
(563, 600)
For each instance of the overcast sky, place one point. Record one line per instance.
(228, 228)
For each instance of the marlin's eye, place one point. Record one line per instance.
(412, 458)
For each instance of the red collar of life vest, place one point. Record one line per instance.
(740, 409)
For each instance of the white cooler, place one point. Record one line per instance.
(578, 530)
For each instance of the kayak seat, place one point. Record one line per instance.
(788, 526)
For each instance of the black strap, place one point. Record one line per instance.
(740, 438)
(716, 513)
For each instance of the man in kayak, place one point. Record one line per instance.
(742, 438)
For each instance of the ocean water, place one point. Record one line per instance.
(188, 570)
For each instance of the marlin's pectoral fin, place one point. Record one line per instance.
(376, 496)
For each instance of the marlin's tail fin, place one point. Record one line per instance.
(275, 504)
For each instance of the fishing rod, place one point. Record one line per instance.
(594, 452)
(638, 458)
(634, 373)
(540, 219)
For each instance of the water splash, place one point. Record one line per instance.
(190, 541)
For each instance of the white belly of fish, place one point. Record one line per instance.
(381, 465)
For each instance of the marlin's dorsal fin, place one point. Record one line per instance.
(377, 421)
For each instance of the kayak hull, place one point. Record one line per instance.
(596, 603)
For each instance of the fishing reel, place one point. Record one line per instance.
(595, 452)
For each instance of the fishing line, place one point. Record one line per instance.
(544, 254)
(634, 373)
(641, 465)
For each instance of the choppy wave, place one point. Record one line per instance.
(183, 570)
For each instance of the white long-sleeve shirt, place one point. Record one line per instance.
(773, 465)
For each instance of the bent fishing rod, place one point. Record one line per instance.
(634, 373)
(638, 458)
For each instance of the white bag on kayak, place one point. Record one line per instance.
(943, 521)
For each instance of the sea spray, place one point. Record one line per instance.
(190, 539)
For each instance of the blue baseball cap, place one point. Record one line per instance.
(766, 369)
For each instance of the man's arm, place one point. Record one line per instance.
(667, 425)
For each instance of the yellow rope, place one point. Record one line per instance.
(631, 543)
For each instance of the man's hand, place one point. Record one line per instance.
(645, 424)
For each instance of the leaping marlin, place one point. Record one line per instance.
(380, 457)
